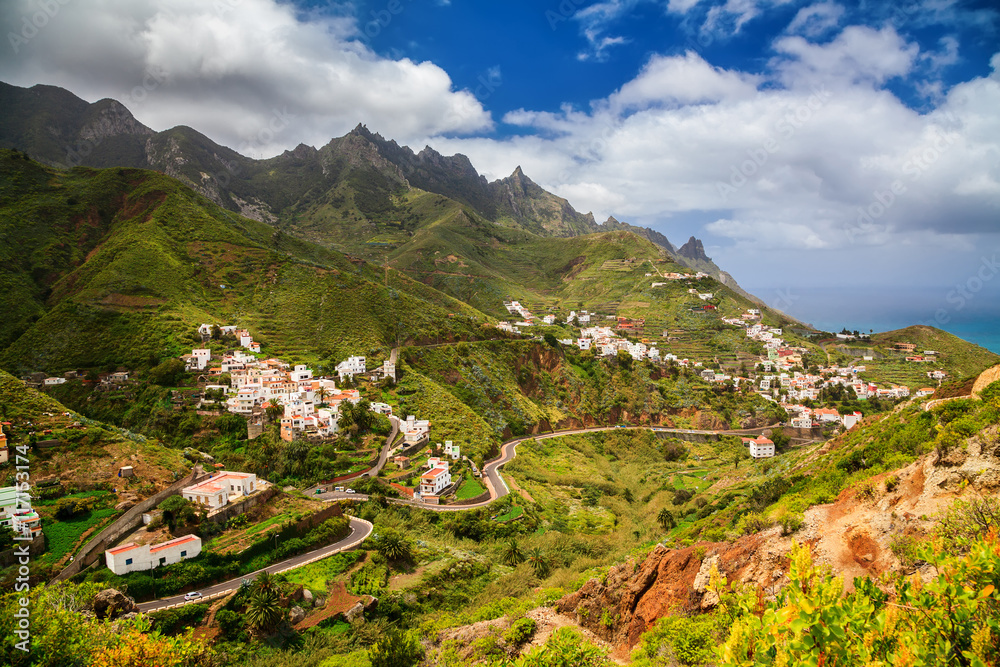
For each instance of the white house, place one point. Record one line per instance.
(549, 319)
(826, 415)
(200, 359)
(436, 462)
(302, 373)
(434, 481)
(382, 409)
(760, 447)
(54, 381)
(389, 369)
(415, 430)
(451, 450)
(802, 421)
(851, 419)
(219, 490)
(16, 512)
(350, 367)
(133, 557)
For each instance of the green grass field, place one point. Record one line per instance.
(316, 575)
(471, 487)
(60, 536)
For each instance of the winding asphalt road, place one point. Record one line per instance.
(360, 530)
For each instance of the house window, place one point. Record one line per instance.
(184, 554)
(128, 561)
(163, 561)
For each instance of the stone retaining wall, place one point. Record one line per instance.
(94, 549)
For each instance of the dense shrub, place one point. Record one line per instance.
(520, 631)
(172, 621)
(681, 496)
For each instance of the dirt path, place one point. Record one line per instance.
(514, 487)
(338, 602)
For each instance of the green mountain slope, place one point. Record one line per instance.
(344, 194)
(119, 267)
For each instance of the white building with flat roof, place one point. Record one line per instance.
(133, 557)
(351, 366)
(222, 489)
(15, 509)
(200, 358)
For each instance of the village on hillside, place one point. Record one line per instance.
(261, 389)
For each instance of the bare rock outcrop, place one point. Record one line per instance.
(112, 603)
(633, 595)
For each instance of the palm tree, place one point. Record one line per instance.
(264, 612)
(321, 392)
(267, 582)
(512, 555)
(666, 519)
(275, 409)
(539, 563)
(394, 547)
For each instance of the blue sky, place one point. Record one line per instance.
(547, 54)
(812, 144)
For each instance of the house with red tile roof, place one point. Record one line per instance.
(134, 557)
(760, 447)
(434, 481)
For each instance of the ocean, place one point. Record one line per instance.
(976, 319)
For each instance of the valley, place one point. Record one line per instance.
(376, 410)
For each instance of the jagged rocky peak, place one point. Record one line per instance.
(362, 130)
(110, 118)
(301, 151)
(457, 162)
(693, 249)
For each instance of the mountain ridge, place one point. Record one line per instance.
(58, 128)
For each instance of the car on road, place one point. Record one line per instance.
(193, 595)
(348, 490)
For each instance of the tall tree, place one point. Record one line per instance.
(539, 563)
(512, 555)
(264, 612)
(275, 409)
(666, 519)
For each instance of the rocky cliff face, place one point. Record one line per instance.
(633, 595)
(852, 535)
(108, 118)
(693, 250)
